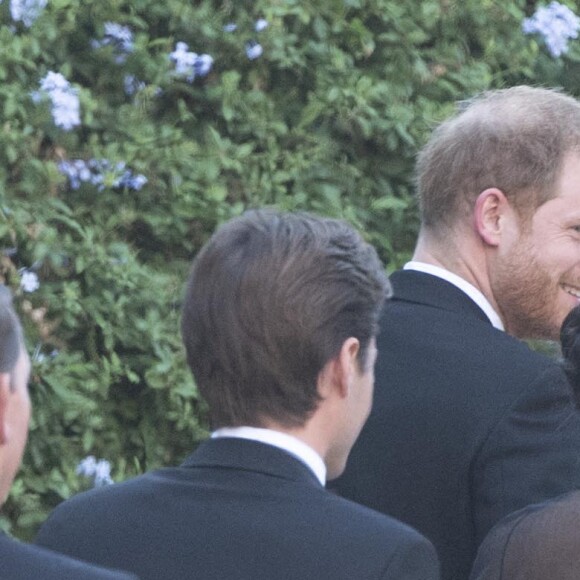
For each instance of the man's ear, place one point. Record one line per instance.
(5, 393)
(490, 211)
(348, 363)
(338, 374)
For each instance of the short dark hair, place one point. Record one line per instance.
(270, 300)
(513, 139)
(11, 340)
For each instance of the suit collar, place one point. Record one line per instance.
(429, 290)
(282, 440)
(246, 455)
(472, 291)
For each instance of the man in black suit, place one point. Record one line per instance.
(20, 561)
(468, 423)
(279, 324)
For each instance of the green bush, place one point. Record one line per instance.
(328, 119)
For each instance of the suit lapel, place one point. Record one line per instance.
(429, 290)
(246, 455)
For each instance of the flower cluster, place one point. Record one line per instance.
(119, 37)
(556, 23)
(28, 280)
(253, 48)
(101, 173)
(26, 11)
(99, 470)
(190, 64)
(64, 99)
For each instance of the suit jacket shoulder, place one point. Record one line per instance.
(211, 513)
(19, 561)
(447, 336)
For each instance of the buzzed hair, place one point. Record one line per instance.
(270, 300)
(11, 339)
(512, 139)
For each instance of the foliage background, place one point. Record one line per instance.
(328, 119)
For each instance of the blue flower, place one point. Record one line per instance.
(134, 182)
(66, 110)
(54, 82)
(130, 181)
(86, 466)
(190, 64)
(230, 27)
(119, 37)
(64, 98)
(103, 473)
(254, 50)
(132, 84)
(26, 11)
(28, 280)
(556, 23)
(76, 171)
(202, 65)
(184, 60)
(260, 25)
(99, 471)
(101, 173)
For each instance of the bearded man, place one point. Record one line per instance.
(473, 423)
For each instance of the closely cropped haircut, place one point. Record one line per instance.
(512, 139)
(10, 332)
(270, 300)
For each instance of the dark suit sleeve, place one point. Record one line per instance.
(532, 454)
(415, 560)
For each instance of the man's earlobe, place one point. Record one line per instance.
(490, 207)
(5, 393)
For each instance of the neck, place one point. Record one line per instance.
(319, 433)
(461, 254)
(302, 433)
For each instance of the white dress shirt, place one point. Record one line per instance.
(469, 289)
(283, 441)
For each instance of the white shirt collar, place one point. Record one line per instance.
(469, 289)
(283, 441)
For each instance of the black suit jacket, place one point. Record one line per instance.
(20, 561)
(236, 509)
(468, 423)
(538, 542)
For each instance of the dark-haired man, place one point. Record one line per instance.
(20, 561)
(473, 423)
(279, 325)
